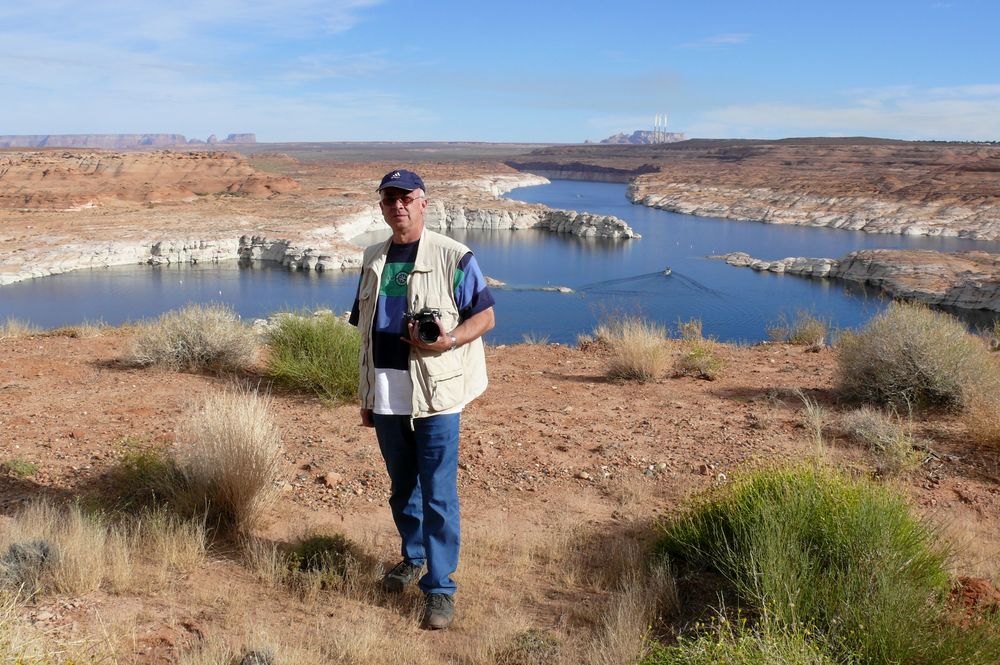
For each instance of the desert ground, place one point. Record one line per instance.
(563, 472)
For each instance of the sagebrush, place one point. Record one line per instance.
(885, 435)
(911, 357)
(197, 337)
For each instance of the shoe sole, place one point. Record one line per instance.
(429, 625)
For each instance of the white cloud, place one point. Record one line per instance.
(193, 66)
(182, 19)
(330, 66)
(954, 113)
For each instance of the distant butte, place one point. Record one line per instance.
(115, 141)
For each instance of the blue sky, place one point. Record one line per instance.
(370, 70)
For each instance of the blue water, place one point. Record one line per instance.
(609, 277)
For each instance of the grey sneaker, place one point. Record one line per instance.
(400, 576)
(439, 611)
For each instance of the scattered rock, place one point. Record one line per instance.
(24, 563)
(258, 657)
(331, 479)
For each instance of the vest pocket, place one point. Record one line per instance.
(447, 389)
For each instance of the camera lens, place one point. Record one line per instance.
(428, 331)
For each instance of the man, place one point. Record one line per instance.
(413, 390)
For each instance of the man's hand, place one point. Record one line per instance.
(366, 418)
(442, 343)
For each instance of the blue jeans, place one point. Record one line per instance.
(423, 467)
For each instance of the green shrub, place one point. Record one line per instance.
(333, 556)
(19, 468)
(810, 547)
(196, 337)
(885, 436)
(912, 357)
(143, 476)
(700, 359)
(531, 647)
(699, 356)
(331, 562)
(742, 645)
(637, 348)
(315, 353)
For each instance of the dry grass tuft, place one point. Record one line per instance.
(13, 328)
(534, 339)
(85, 330)
(196, 337)
(637, 604)
(814, 420)
(530, 647)
(637, 348)
(234, 460)
(885, 436)
(169, 544)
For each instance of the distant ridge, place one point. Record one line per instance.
(115, 141)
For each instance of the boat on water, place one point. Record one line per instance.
(667, 270)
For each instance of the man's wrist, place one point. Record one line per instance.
(454, 341)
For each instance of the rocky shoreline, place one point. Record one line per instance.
(966, 280)
(471, 203)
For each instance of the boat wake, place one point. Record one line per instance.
(651, 282)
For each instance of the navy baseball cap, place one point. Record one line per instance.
(402, 179)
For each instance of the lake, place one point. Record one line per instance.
(609, 277)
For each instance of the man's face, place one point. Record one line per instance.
(403, 211)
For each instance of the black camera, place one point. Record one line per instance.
(426, 321)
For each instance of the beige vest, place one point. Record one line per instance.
(441, 380)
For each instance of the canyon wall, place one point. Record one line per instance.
(948, 217)
(113, 141)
